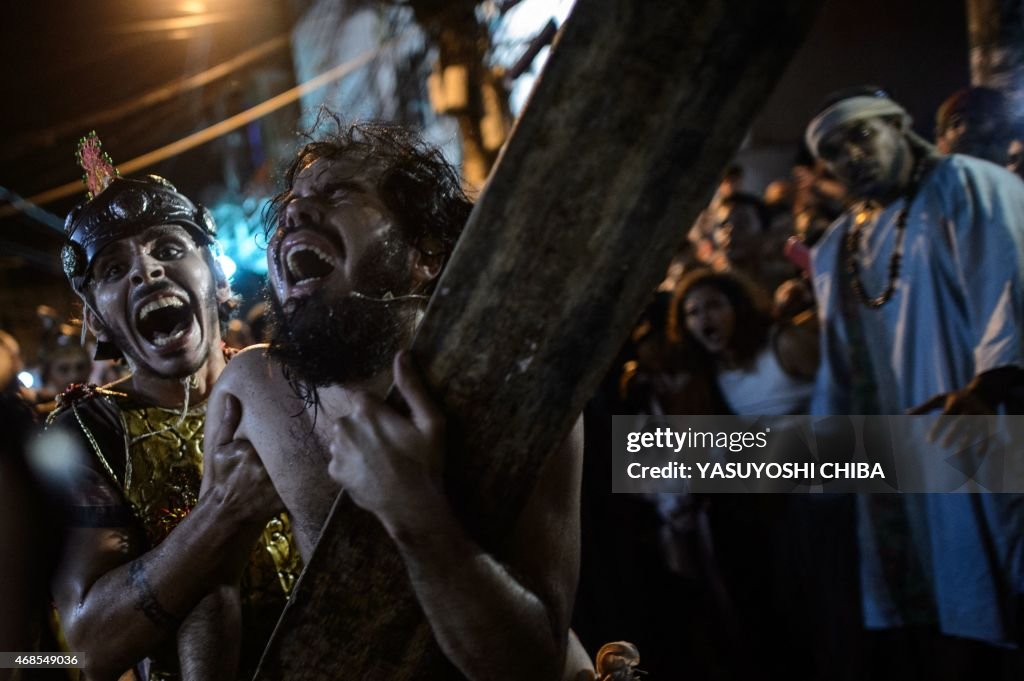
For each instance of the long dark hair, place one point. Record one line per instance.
(751, 329)
(420, 189)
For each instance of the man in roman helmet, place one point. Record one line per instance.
(144, 557)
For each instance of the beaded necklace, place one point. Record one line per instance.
(851, 245)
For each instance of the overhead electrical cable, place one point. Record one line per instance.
(216, 130)
(151, 98)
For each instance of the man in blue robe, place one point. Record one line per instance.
(920, 298)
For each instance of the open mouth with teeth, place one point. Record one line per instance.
(712, 336)
(164, 320)
(307, 263)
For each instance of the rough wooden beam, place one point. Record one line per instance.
(640, 107)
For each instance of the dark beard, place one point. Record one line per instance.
(321, 341)
(327, 342)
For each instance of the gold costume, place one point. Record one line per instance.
(162, 477)
(161, 467)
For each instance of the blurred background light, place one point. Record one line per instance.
(240, 231)
(228, 265)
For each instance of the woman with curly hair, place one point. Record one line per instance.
(737, 358)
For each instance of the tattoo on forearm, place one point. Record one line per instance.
(146, 597)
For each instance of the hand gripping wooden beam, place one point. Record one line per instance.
(640, 107)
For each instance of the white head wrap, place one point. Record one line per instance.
(851, 109)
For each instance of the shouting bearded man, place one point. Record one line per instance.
(143, 553)
(363, 230)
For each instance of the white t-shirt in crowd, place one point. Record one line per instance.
(765, 389)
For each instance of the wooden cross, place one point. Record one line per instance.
(640, 107)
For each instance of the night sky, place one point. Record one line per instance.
(917, 49)
(63, 61)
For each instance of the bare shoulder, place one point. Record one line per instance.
(256, 381)
(552, 507)
(556, 494)
(545, 544)
(249, 368)
(562, 474)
